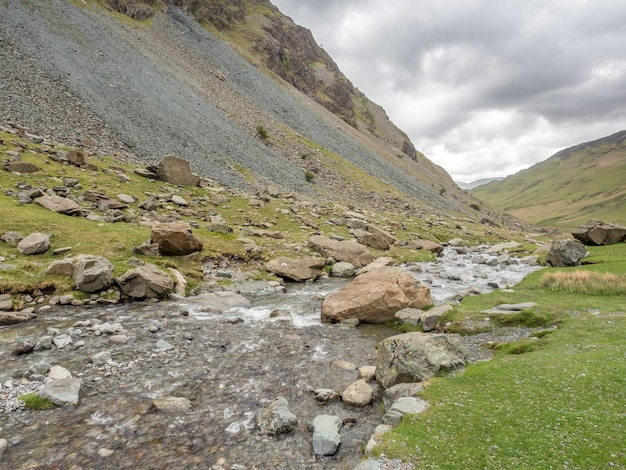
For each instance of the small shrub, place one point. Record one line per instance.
(442, 191)
(262, 132)
(520, 347)
(475, 206)
(309, 175)
(32, 401)
(524, 318)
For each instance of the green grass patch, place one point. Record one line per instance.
(32, 401)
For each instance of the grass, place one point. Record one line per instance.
(554, 400)
(585, 282)
(32, 401)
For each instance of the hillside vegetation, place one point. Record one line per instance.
(574, 185)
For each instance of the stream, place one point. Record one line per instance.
(229, 366)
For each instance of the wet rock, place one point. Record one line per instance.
(404, 406)
(101, 358)
(61, 341)
(175, 170)
(215, 302)
(175, 239)
(564, 253)
(324, 396)
(297, 269)
(326, 437)
(12, 318)
(170, 404)
(276, 418)
(349, 250)
(24, 347)
(375, 297)
(34, 244)
(343, 269)
(62, 392)
(413, 357)
(358, 394)
(145, 282)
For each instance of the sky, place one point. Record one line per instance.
(484, 88)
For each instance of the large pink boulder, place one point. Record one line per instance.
(375, 297)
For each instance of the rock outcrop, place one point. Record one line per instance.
(596, 232)
(374, 297)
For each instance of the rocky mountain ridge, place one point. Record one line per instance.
(167, 85)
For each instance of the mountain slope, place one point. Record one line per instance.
(167, 85)
(572, 186)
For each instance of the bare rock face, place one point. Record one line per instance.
(565, 253)
(34, 244)
(346, 250)
(175, 239)
(176, 171)
(596, 233)
(145, 282)
(414, 357)
(297, 269)
(375, 297)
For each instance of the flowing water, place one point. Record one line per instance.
(228, 370)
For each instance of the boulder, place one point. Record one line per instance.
(377, 263)
(276, 418)
(343, 269)
(62, 392)
(61, 205)
(34, 244)
(375, 297)
(596, 232)
(346, 250)
(175, 239)
(20, 167)
(92, 273)
(326, 437)
(410, 316)
(297, 269)
(103, 201)
(404, 406)
(358, 393)
(12, 238)
(428, 245)
(61, 267)
(413, 357)
(145, 282)
(391, 394)
(78, 157)
(565, 253)
(175, 170)
(371, 240)
(430, 317)
(12, 318)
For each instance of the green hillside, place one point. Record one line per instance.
(587, 181)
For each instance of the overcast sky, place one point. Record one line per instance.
(484, 88)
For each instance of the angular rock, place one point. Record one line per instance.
(410, 316)
(404, 406)
(145, 282)
(430, 317)
(126, 198)
(347, 250)
(6, 303)
(367, 372)
(391, 394)
(596, 233)
(175, 170)
(175, 239)
(375, 297)
(103, 201)
(276, 418)
(62, 267)
(34, 244)
(325, 395)
(358, 393)
(564, 253)
(326, 437)
(12, 238)
(92, 273)
(377, 263)
(21, 167)
(78, 157)
(179, 201)
(297, 269)
(62, 392)
(413, 357)
(61, 205)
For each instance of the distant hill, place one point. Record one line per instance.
(475, 184)
(574, 185)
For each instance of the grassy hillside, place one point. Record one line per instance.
(569, 188)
